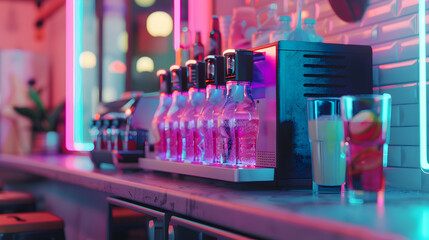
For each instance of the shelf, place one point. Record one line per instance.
(213, 172)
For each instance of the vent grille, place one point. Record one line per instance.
(324, 75)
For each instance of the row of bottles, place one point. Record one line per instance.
(114, 133)
(196, 51)
(206, 113)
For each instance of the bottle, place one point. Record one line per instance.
(309, 27)
(183, 54)
(188, 121)
(262, 35)
(209, 145)
(158, 122)
(116, 135)
(198, 48)
(95, 134)
(180, 98)
(106, 143)
(283, 31)
(239, 121)
(298, 34)
(215, 46)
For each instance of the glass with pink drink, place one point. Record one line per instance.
(366, 121)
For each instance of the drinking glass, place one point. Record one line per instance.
(366, 121)
(325, 130)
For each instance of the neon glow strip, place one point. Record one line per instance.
(177, 13)
(69, 74)
(74, 100)
(422, 87)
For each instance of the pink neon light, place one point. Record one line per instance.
(397, 65)
(69, 76)
(177, 13)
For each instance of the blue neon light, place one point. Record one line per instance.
(422, 87)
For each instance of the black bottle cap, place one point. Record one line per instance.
(98, 123)
(107, 123)
(196, 74)
(165, 83)
(179, 78)
(117, 122)
(215, 70)
(239, 65)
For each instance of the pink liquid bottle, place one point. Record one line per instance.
(188, 122)
(158, 122)
(209, 145)
(239, 121)
(172, 121)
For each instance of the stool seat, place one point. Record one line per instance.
(15, 197)
(29, 222)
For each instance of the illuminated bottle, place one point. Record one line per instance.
(158, 122)
(183, 54)
(210, 145)
(198, 48)
(239, 121)
(215, 39)
(188, 122)
(180, 98)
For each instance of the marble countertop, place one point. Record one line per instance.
(259, 210)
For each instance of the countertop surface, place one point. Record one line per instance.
(256, 210)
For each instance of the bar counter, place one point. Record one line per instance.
(254, 210)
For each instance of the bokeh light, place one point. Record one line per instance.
(123, 41)
(117, 67)
(159, 24)
(145, 64)
(87, 59)
(144, 3)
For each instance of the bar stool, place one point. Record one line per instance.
(31, 225)
(12, 201)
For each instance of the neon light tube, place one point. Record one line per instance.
(422, 87)
(176, 26)
(74, 98)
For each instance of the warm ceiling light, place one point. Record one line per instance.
(159, 24)
(87, 59)
(144, 3)
(145, 64)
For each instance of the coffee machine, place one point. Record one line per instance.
(286, 73)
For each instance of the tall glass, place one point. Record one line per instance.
(366, 126)
(325, 130)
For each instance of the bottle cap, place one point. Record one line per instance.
(239, 65)
(310, 21)
(215, 70)
(196, 74)
(164, 81)
(117, 122)
(107, 123)
(285, 18)
(179, 78)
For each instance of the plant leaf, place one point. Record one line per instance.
(33, 115)
(54, 116)
(27, 112)
(36, 99)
